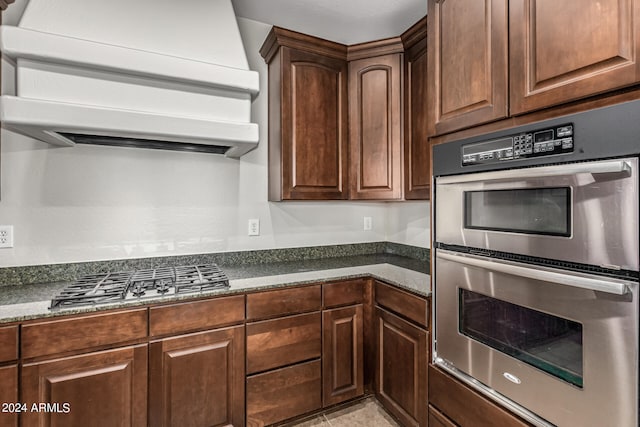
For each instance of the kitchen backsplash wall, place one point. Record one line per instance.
(90, 203)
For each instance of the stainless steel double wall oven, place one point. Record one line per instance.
(536, 266)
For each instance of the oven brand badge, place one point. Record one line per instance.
(512, 378)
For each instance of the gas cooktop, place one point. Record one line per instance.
(110, 287)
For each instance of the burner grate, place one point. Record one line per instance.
(200, 278)
(112, 287)
(94, 289)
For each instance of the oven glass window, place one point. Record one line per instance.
(547, 342)
(544, 211)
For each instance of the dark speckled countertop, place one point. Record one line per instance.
(23, 302)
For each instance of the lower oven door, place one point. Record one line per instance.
(562, 346)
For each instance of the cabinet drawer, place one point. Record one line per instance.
(407, 305)
(83, 332)
(282, 394)
(9, 340)
(464, 406)
(437, 419)
(280, 342)
(197, 315)
(262, 305)
(343, 293)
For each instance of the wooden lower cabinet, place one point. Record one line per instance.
(8, 395)
(284, 393)
(452, 401)
(198, 379)
(101, 389)
(284, 341)
(342, 354)
(283, 364)
(401, 368)
(437, 419)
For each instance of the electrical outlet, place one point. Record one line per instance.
(368, 223)
(6, 236)
(254, 227)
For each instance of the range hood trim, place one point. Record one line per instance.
(54, 118)
(20, 43)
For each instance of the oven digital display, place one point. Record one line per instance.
(544, 136)
(540, 211)
(550, 343)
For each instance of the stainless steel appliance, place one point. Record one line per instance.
(113, 287)
(536, 266)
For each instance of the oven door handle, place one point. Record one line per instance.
(595, 284)
(611, 166)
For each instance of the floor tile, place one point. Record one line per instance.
(316, 421)
(367, 413)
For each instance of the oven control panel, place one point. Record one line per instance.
(542, 142)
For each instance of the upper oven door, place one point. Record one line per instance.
(583, 212)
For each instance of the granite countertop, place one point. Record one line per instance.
(24, 302)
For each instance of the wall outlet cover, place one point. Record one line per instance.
(6, 236)
(254, 227)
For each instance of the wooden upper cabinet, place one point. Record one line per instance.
(467, 63)
(417, 152)
(308, 131)
(563, 51)
(375, 125)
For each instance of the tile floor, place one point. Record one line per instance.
(366, 413)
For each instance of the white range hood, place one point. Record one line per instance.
(76, 83)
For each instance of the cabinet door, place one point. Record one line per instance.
(562, 51)
(342, 358)
(401, 368)
(467, 63)
(417, 152)
(375, 127)
(437, 419)
(8, 395)
(101, 389)
(199, 378)
(308, 160)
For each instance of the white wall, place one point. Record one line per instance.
(409, 223)
(95, 203)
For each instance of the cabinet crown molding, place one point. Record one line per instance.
(278, 37)
(415, 34)
(4, 4)
(375, 48)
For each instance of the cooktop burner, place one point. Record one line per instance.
(127, 285)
